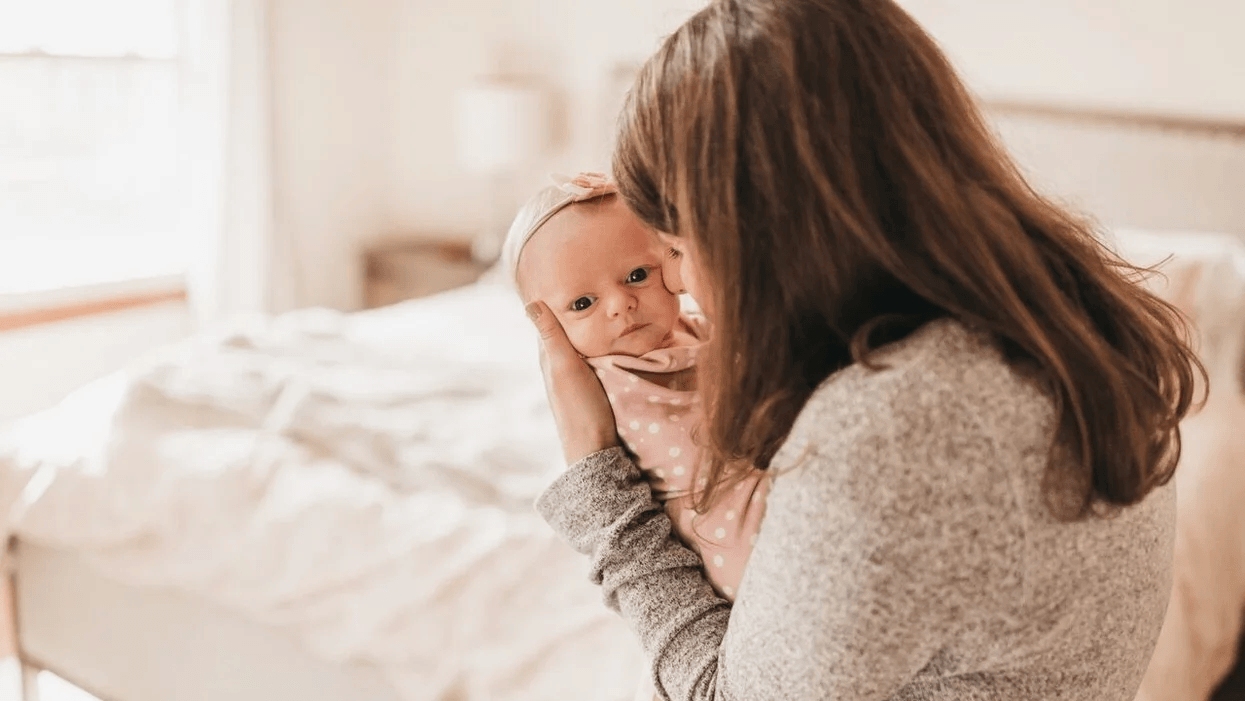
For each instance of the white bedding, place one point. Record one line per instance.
(363, 481)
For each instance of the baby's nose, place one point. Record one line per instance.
(622, 303)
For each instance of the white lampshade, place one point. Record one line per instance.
(500, 127)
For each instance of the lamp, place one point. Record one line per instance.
(501, 128)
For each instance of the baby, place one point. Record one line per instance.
(576, 247)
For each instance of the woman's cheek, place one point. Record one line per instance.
(691, 280)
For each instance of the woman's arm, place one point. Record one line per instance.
(868, 562)
(897, 528)
(605, 509)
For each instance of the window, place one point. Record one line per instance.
(91, 143)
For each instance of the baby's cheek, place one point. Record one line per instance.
(585, 338)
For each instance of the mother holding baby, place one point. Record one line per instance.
(968, 407)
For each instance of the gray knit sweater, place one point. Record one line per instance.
(906, 553)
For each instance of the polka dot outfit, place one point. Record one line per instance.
(656, 424)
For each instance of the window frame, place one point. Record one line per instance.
(23, 309)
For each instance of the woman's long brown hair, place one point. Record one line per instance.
(841, 188)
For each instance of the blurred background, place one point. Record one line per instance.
(167, 166)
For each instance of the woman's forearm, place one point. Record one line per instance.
(604, 509)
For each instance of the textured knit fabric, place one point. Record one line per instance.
(907, 551)
(656, 423)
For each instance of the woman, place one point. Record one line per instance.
(969, 407)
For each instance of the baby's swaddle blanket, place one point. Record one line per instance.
(657, 425)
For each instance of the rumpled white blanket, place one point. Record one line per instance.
(364, 481)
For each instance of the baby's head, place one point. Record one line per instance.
(576, 247)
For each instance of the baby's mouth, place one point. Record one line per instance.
(631, 329)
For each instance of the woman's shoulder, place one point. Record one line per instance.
(945, 381)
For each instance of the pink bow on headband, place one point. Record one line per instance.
(585, 186)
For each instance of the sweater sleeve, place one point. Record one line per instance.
(890, 534)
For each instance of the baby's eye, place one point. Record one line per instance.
(637, 275)
(581, 304)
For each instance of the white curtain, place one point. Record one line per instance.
(239, 262)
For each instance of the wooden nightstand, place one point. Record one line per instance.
(403, 270)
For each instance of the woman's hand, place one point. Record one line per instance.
(580, 408)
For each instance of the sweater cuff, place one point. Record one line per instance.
(591, 495)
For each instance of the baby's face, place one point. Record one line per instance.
(599, 270)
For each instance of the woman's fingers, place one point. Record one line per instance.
(580, 408)
(546, 323)
(553, 340)
(556, 350)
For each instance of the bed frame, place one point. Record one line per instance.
(131, 644)
(123, 643)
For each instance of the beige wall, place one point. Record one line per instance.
(1175, 56)
(335, 83)
(573, 48)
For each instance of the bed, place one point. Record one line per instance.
(325, 506)
(337, 506)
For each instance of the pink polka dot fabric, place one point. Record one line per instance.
(656, 423)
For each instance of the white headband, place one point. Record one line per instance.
(546, 203)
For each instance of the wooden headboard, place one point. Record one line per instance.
(1131, 169)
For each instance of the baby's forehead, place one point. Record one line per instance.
(585, 238)
(600, 229)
